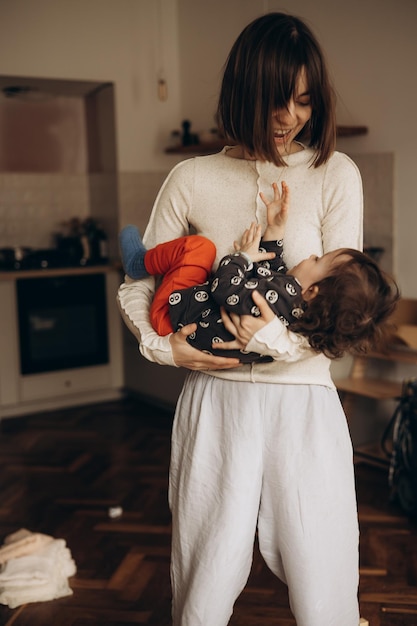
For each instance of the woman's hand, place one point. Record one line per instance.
(243, 327)
(185, 355)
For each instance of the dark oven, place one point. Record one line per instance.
(62, 322)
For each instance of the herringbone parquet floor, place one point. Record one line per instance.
(60, 472)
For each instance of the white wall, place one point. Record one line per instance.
(372, 51)
(103, 40)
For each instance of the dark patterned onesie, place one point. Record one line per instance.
(231, 287)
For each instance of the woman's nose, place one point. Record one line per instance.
(286, 114)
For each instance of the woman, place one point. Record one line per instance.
(262, 446)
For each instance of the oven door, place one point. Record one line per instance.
(62, 322)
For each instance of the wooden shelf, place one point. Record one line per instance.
(351, 131)
(200, 148)
(374, 388)
(371, 454)
(216, 146)
(362, 381)
(398, 354)
(360, 384)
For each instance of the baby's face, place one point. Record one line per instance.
(315, 268)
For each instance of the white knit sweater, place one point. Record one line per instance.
(218, 196)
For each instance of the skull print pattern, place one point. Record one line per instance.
(232, 287)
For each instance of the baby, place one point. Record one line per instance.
(341, 302)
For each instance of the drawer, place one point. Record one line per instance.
(65, 382)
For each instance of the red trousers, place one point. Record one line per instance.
(183, 262)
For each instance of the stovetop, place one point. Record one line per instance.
(19, 259)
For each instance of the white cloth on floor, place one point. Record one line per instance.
(21, 543)
(37, 577)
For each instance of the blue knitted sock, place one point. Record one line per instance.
(132, 252)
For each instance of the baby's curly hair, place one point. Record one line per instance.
(352, 309)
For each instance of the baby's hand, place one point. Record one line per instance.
(250, 242)
(277, 212)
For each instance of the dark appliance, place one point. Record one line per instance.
(20, 258)
(62, 322)
(13, 258)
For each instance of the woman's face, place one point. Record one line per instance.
(289, 121)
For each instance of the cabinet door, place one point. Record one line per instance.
(64, 382)
(9, 346)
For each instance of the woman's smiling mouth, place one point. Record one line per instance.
(281, 135)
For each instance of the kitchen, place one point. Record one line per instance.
(123, 50)
(153, 40)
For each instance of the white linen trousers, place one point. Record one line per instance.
(273, 457)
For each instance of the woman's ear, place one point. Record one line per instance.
(310, 293)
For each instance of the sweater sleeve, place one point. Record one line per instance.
(134, 299)
(169, 219)
(275, 340)
(342, 223)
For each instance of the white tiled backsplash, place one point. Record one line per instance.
(32, 206)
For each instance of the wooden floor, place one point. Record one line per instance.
(60, 472)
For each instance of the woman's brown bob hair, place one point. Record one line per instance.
(260, 77)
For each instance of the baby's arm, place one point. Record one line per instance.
(236, 278)
(277, 212)
(249, 245)
(265, 334)
(277, 215)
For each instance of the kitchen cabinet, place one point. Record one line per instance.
(47, 390)
(158, 384)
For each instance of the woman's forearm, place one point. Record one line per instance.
(134, 298)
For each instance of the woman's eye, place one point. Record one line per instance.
(304, 103)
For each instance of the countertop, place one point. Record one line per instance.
(59, 271)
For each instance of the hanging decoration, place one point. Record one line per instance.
(162, 83)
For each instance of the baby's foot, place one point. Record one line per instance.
(132, 252)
